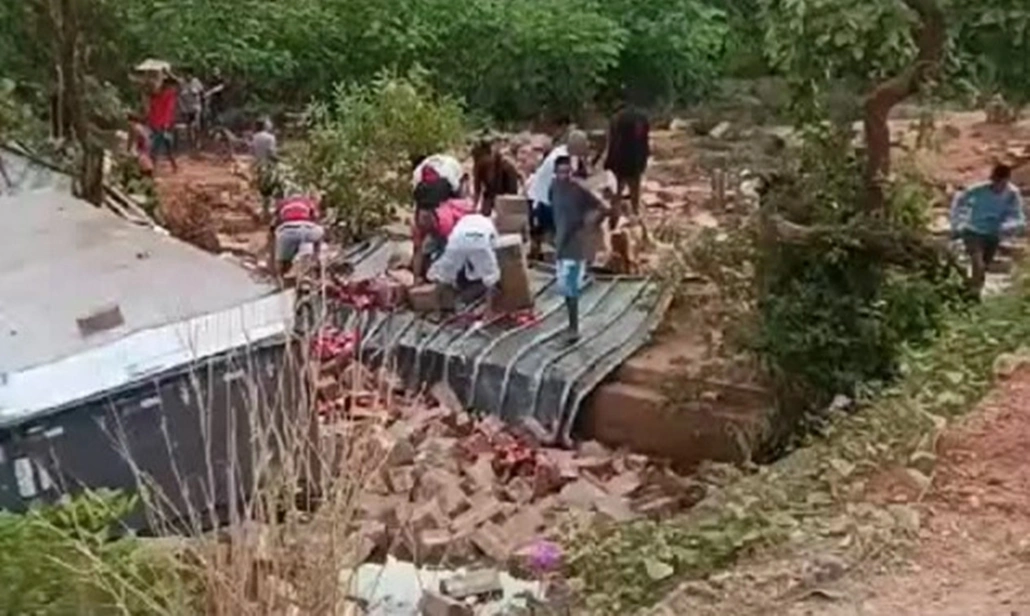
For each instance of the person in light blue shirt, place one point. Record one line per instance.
(982, 214)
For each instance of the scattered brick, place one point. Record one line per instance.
(582, 494)
(483, 510)
(401, 479)
(624, 484)
(520, 490)
(436, 604)
(481, 475)
(473, 584)
(490, 540)
(523, 527)
(433, 545)
(445, 487)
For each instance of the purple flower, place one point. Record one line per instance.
(544, 556)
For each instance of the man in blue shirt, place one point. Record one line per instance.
(982, 214)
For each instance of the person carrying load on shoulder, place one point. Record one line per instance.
(296, 224)
(436, 179)
(433, 225)
(981, 215)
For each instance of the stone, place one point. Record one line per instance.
(721, 130)
(472, 584)
(614, 509)
(593, 449)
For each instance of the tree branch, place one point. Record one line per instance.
(930, 35)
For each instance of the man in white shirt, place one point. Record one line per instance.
(538, 190)
(468, 262)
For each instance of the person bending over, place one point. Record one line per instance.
(468, 264)
(296, 224)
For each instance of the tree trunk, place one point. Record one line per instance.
(930, 35)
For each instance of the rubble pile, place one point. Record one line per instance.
(443, 487)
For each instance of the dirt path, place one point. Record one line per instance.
(211, 203)
(973, 556)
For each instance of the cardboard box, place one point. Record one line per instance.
(514, 292)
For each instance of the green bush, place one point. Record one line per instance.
(672, 51)
(64, 559)
(361, 142)
(835, 312)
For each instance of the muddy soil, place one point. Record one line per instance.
(973, 557)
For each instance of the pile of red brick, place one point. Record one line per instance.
(441, 487)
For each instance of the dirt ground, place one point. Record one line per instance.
(210, 203)
(973, 557)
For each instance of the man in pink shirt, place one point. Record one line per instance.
(431, 230)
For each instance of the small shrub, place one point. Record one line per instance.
(361, 142)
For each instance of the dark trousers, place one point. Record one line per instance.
(981, 250)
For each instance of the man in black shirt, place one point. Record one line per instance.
(493, 175)
(627, 155)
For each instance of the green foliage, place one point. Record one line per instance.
(17, 122)
(818, 43)
(992, 46)
(833, 314)
(361, 142)
(627, 566)
(803, 504)
(515, 59)
(672, 51)
(64, 559)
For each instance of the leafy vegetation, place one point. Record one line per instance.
(807, 497)
(361, 143)
(64, 559)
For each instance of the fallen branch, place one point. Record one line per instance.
(894, 246)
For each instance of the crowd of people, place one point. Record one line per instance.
(172, 100)
(454, 232)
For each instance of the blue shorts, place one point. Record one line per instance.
(541, 219)
(571, 275)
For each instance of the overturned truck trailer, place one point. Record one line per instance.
(132, 361)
